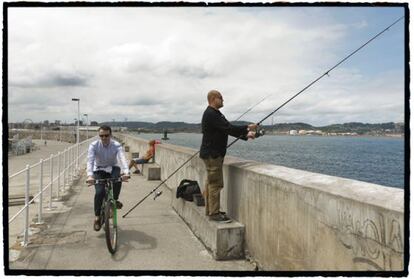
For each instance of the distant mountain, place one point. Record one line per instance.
(351, 127)
(284, 127)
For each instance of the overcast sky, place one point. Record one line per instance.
(157, 64)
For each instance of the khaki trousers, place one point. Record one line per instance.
(214, 184)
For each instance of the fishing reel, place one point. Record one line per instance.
(259, 133)
(157, 194)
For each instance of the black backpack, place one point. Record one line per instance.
(187, 189)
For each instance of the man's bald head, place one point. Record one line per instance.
(212, 95)
(215, 99)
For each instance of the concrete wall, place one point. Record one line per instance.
(298, 220)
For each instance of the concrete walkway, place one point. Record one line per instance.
(152, 237)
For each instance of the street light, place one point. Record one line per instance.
(87, 125)
(77, 132)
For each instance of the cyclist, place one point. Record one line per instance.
(105, 159)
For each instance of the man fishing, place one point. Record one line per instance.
(216, 129)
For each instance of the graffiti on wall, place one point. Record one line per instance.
(375, 244)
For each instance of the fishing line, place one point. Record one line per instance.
(274, 111)
(324, 74)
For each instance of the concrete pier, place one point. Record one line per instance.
(297, 220)
(292, 220)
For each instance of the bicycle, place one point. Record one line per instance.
(109, 216)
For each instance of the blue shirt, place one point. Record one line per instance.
(106, 156)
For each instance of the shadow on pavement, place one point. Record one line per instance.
(133, 239)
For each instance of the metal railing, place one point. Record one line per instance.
(63, 169)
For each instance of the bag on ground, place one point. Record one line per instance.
(187, 189)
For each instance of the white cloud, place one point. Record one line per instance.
(155, 64)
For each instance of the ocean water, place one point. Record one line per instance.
(378, 160)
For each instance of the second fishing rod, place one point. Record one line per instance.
(278, 108)
(324, 74)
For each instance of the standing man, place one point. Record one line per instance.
(215, 129)
(105, 159)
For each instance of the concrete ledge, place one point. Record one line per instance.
(225, 241)
(152, 171)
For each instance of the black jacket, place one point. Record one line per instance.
(215, 129)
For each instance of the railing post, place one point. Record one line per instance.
(64, 169)
(77, 158)
(59, 157)
(73, 163)
(39, 214)
(26, 202)
(70, 165)
(51, 182)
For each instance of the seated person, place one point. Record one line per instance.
(142, 160)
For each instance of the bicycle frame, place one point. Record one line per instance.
(109, 197)
(108, 213)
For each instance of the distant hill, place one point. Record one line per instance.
(351, 127)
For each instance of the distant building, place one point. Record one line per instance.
(293, 132)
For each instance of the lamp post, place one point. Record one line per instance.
(87, 125)
(77, 132)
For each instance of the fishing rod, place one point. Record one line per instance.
(182, 165)
(274, 111)
(324, 74)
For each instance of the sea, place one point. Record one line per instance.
(378, 160)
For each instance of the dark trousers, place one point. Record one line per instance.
(100, 189)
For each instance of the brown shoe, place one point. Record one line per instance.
(97, 224)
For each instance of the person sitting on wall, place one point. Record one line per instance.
(143, 160)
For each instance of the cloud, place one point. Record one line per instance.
(155, 64)
(50, 80)
(139, 101)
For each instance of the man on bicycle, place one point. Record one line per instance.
(105, 159)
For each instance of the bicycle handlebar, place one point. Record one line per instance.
(105, 180)
(102, 180)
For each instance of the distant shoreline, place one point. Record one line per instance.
(284, 134)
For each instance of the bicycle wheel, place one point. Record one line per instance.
(111, 231)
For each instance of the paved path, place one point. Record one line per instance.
(152, 237)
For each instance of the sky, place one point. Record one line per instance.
(158, 64)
